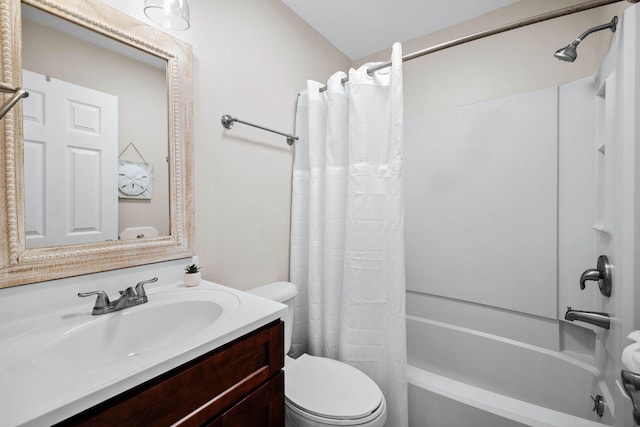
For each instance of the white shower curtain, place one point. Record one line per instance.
(347, 237)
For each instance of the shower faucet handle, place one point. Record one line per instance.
(591, 274)
(600, 274)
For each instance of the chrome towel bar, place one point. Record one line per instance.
(17, 94)
(227, 122)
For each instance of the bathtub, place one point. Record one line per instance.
(483, 380)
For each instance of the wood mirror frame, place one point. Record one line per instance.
(19, 265)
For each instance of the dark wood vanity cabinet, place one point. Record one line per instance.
(239, 384)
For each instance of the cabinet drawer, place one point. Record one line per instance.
(197, 391)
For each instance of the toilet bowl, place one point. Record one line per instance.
(320, 391)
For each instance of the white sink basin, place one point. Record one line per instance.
(129, 333)
(82, 340)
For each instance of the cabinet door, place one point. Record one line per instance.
(264, 407)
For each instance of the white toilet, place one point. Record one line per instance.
(321, 391)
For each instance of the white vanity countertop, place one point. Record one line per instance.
(37, 389)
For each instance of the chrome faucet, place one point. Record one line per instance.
(128, 298)
(599, 319)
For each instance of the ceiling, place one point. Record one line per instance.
(359, 28)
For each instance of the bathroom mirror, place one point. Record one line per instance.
(116, 97)
(171, 149)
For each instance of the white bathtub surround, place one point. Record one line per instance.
(57, 358)
(481, 198)
(347, 239)
(506, 201)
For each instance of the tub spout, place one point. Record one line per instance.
(601, 320)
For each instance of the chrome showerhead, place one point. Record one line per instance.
(570, 53)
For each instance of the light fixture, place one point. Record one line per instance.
(172, 14)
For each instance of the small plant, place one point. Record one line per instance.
(192, 269)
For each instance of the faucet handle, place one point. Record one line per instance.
(102, 301)
(591, 274)
(140, 286)
(601, 274)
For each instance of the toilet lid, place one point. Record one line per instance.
(329, 388)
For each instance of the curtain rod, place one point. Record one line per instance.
(493, 31)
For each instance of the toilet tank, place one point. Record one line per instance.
(285, 293)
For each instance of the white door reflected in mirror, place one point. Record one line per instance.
(70, 147)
